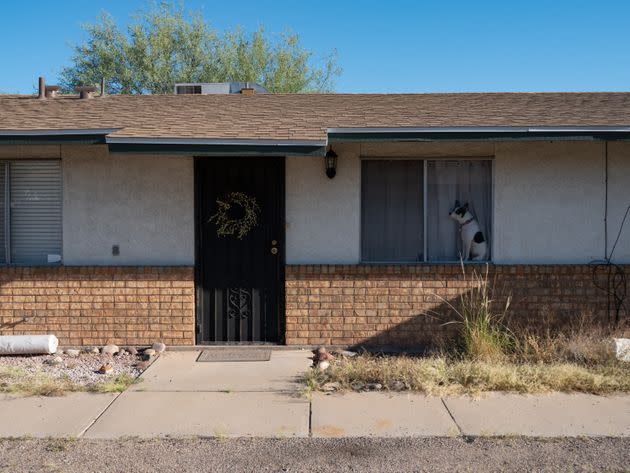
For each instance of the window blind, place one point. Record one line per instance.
(3, 213)
(35, 212)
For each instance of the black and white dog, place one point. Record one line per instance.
(473, 242)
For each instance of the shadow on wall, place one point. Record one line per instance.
(543, 303)
(408, 307)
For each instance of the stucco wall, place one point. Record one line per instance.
(322, 214)
(549, 200)
(144, 204)
(619, 199)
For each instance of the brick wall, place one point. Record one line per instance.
(97, 305)
(335, 304)
(388, 305)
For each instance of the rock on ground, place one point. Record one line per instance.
(622, 348)
(110, 350)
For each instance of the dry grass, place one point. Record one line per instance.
(492, 356)
(16, 381)
(116, 385)
(442, 376)
(582, 341)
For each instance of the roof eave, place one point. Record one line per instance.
(216, 147)
(479, 133)
(41, 137)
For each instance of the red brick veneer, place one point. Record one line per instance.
(328, 304)
(126, 305)
(387, 304)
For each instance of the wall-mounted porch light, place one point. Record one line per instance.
(330, 161)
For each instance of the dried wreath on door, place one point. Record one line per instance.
(237, 214)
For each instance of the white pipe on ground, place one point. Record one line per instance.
(28, 344)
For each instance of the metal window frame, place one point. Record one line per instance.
(425, 194)
(425, 160)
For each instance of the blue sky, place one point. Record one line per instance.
(386, 46)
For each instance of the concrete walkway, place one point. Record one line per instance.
(180, 397)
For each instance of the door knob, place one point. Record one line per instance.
(274, 250)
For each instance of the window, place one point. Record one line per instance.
(406, 205)
(30, 212)
(188, 89)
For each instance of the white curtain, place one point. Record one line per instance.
(447, 181)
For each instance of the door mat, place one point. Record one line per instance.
(235, 354)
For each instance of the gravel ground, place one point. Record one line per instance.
(317, 455)
(82, 369)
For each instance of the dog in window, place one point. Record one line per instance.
(474, 244)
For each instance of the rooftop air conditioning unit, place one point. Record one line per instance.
(205, 88)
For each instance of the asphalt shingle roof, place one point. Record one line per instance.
(307, 116)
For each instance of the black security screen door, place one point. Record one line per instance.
(239, 249)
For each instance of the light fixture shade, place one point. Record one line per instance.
(330, 161)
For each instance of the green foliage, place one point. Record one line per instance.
(165, 45)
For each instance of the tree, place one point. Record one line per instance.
(164, 45)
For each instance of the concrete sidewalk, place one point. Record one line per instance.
(180, 397)
(66, 416)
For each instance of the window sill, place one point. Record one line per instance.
(422, 263)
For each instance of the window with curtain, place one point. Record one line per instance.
(30, 212)
(405, 214)
(393, 210)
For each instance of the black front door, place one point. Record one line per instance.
(239, 249)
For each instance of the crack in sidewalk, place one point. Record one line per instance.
(91, 424)
(310, 418)
(461, 432)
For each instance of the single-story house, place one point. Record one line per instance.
(302, 218)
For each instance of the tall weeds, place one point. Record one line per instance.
(481, 319)
(489, 332)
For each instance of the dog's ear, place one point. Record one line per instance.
(465, 206)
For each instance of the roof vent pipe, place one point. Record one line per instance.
(51, 91)
(42, 89)
(86, 91)
(103, 91)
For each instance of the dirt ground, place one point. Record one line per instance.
(316, 455)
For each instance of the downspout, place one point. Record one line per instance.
(605, 200)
